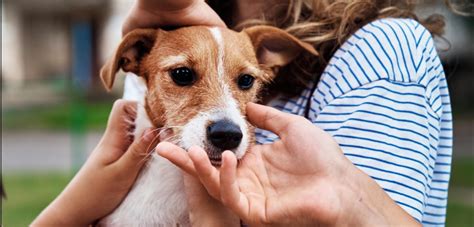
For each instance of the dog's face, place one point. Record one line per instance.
(199, 79)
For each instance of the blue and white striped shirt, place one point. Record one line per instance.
(384, 98)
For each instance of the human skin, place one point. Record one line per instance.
(106, 177)
(159, 13)
(303, 179)
(306, 180)
(350, 196)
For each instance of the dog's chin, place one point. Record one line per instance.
(215, 155)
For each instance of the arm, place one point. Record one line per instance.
(389, 126)
(372, 206)
(106, 177)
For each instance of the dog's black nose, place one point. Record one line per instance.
(224, 135)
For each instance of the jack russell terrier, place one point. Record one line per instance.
(194, 81)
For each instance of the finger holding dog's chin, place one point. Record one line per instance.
(194, 162)
(201, 185)
(177, 156)
(205, 171)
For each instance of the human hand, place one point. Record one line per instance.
(159, 13)
(302, 179)
(106, 177)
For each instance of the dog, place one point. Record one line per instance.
(196, 82)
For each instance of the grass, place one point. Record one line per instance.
(462, 173)
(65, 116)
(460, 214)
(29, 193)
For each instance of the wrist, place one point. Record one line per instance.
(57, 214)
(371, 205)
(359, 208)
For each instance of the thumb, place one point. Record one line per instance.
(140, 150)
(269, 118)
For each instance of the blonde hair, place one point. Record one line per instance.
(325, 24)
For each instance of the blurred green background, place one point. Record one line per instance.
(54, 108)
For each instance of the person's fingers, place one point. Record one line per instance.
(197, 13)
(139, 18)
(230, 192)
(122, 110)
(121, 117)
(208, 174)
(120, 125)
(268, 118)
(177, 156)
(195, 16)
(140, 151)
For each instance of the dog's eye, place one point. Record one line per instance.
(245, 81)
(183, 76)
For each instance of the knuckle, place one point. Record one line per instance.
(298, 121)
(119, 103)
(269, 117)
(295, 123)
(124, 105)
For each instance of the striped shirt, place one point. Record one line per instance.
(384, 98)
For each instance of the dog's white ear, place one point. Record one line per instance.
(128, 56)
(275, 47)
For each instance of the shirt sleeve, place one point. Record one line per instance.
(384, 99)
(383, 128)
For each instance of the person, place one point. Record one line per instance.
(362, 134)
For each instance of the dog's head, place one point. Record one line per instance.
(199, 79)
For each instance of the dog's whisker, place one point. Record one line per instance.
(171, 138)
(150, 132)
(150, 151)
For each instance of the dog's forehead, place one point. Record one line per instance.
(233, 44)
(206, 43)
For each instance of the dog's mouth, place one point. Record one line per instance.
(216, 134)
(216, 161)
(214, 155)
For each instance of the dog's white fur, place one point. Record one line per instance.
(158, 198)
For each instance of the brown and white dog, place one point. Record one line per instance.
(195, 81)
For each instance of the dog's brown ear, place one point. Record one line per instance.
(128, 56)
(275, 47)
